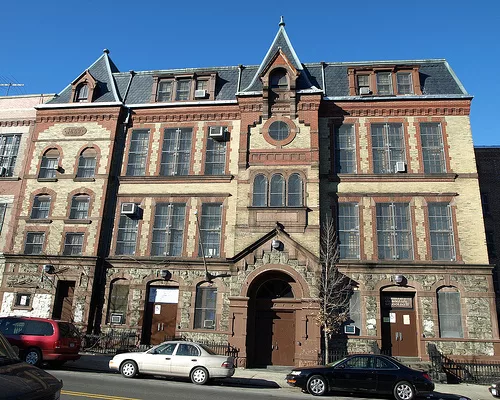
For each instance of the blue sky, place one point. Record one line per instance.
(47, 44)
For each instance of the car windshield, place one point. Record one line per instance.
(333, 364)
(7, 353)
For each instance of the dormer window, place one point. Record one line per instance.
(384, 83)
(164, 91)
(82, 93)
(183, 86)
(384, 80)
(278, 79)
(404, 82)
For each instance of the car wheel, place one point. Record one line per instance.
(404, 391)
(316, 385)
(33, 356)
(199, 375)
(129, 369)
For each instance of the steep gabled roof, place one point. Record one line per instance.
(102, 70)
(281, 43)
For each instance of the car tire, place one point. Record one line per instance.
(33, 356)
(199, 376)
(129, 369)
(404, 391)
(316, 385)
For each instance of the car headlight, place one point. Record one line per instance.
(494, 385)
(295, 372)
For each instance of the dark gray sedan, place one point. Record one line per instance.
(363, 373)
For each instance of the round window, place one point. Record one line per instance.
(279, 130)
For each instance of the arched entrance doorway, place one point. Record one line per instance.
(271, 320)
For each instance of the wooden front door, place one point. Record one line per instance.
(274, 338)
(399, 325)
(283, 339)
(63, 303)
(162, 307)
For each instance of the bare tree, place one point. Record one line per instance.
(334, 287)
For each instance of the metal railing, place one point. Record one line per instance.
(470, 371)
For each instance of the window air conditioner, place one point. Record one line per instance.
(350, 329)
(129, 209)
(3, 171)
(218, 133)
(208, 323)
(364, 90)
(400, 166)
(200, 93)
(211, 252)
(117, 318)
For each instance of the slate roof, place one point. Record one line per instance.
(134, 88)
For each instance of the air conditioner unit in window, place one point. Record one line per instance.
(117, 318)
(400, 166)
(218, 132)
(3, 171)
(364, 90)
(350, 329)
(211, 252)
(200, 93)
(129, 209)
(208, 323)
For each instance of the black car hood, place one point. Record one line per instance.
(316, 367)
(21, 381)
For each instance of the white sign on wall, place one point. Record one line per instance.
(164, 295)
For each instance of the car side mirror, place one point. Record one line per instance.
(342, 366)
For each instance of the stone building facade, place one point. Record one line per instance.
(190, 203)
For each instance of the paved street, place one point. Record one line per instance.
(106, 385)
(111, 386)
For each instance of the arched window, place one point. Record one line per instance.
(205, 307)
(295, 191)
(82, 93)
(86, 163)
(278, 79)
(49, 165)
(41, 207)
(118, 302)
(277, 195)
(450, 313)
(79, 207)
(275, 289)
(279, 130)
(260, 191)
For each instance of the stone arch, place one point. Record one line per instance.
(302, 286)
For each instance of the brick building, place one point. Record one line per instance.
(219, 179)
(488, 165)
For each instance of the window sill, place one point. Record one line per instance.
(77, 221)
(9, 178)
(178, 178)
(38, 221)
(79, 179)
(47, 179)
(26, 308)
(393, 177)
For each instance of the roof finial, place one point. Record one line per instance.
(282, 21)
(106, 51)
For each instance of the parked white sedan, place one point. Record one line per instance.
(179, 358)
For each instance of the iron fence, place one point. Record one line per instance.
(111, 342)
(467, 371)
(114, 342)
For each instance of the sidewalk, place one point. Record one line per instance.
(270, 378)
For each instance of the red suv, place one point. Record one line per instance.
(41, 339)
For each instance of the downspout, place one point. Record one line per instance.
(323, 77)
(240, 70)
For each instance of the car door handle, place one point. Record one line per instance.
(167, 358)
(194, 359)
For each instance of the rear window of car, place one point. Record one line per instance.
(67, 330)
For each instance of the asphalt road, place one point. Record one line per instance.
(79, 385)
(109, 386)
